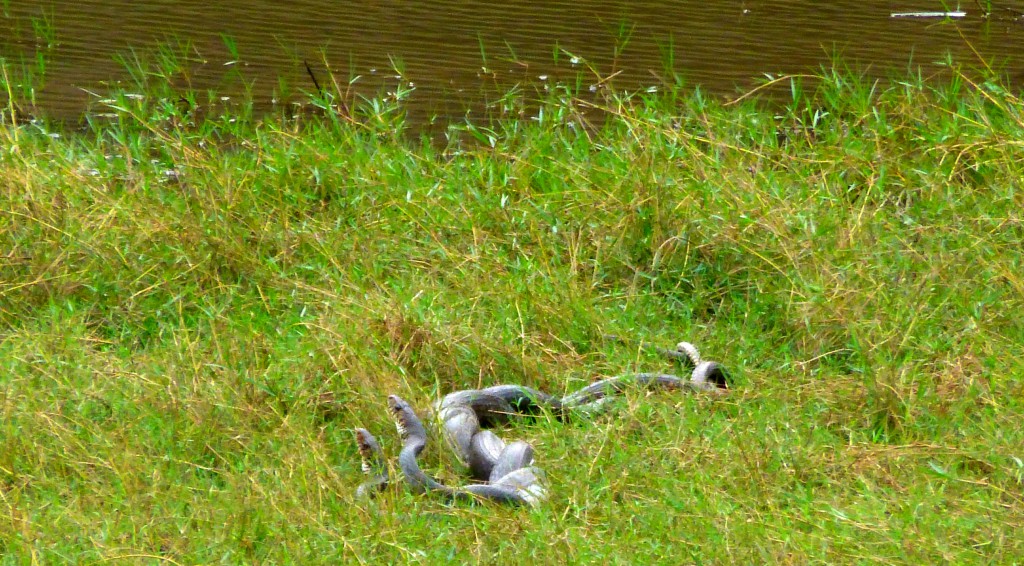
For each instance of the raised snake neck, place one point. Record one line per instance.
(507, 468)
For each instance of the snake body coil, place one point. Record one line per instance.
(519, 486)
(507, 469)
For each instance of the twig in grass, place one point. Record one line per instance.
(804, 363)
(312, 76)
(768, 84)
(157, 557)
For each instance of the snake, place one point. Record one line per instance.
(505, 471)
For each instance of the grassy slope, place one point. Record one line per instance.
(193, 317)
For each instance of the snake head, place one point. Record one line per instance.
(369, 449)
(400, 411)
(397, 404)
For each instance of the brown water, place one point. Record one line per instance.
(454, 51)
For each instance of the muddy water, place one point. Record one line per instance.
(455, 53)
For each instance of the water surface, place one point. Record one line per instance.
(453, 52)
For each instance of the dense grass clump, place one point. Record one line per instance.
(195, 311)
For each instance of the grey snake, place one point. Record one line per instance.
(506, 470)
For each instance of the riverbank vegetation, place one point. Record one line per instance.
(196, 309)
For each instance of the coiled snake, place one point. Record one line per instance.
(506, 471)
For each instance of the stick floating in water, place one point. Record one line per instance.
(928, 15)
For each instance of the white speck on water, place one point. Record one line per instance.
(956, 14)
(543, 77)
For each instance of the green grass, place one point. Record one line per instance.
(197, 308)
